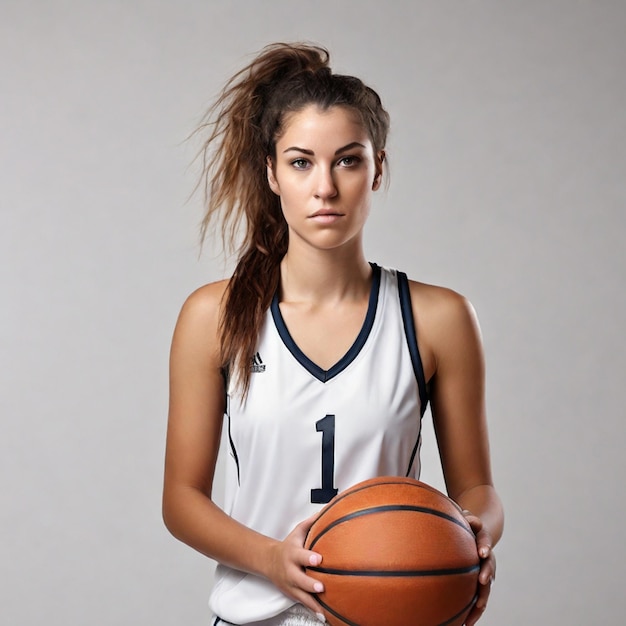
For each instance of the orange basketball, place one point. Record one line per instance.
(396, 552)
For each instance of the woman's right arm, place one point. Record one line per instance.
(196, 412)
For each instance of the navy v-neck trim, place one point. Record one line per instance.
(354, 350)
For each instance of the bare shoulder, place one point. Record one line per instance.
(199, 317)
(443, 305)
(206, 300)
(446, 323)
(204, 304)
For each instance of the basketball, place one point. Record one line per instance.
(395, 552)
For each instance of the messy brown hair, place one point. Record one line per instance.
(242, 128)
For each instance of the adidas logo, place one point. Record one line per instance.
(257, 365)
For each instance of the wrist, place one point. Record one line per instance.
(265, 557)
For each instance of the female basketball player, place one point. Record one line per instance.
(321, 362)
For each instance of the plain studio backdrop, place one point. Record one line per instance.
(508, 162)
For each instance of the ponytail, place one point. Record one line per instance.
(243, 126)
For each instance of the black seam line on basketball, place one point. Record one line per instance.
(419, 573)
(349, 623)
(465, 609)
(383, 509)
(391, 481)
(344, 619)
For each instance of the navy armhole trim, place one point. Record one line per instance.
(231, 443)
(411, 338)
(315, 370)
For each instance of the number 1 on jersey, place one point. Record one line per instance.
(327, 427)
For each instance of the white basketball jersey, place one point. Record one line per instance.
(304, 433)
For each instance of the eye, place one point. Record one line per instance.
(300, 164)
(348, 161)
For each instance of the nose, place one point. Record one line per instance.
(325, 186)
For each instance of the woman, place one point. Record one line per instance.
(321, 362)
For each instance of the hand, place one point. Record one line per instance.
(288, 561)
(487, 572)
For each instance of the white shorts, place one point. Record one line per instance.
(297, 615)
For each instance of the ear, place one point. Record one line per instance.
(380, 159)
(271, 178)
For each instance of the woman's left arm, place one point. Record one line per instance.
(457, 395)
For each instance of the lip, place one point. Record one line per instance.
(323, 213)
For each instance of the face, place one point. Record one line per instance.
(325, 172)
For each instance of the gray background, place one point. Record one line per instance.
(507, 157)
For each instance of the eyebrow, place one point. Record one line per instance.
(350, 146)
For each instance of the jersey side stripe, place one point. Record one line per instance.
(231, 443)
(411, 338)
(416, 447)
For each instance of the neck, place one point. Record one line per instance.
(324, 275)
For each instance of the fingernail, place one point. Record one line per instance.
(315, 559)
(319, 588)
(321, 618)
(484, 552)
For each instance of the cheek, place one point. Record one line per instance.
(290, 194)
(360, 187)
(288, 183)
(291, 198)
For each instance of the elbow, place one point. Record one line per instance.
(168, 513)
(182, 509)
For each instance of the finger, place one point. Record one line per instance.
(483, 596)
(314, 606)
(307, 583)
(474, 615)
(299, 534)
(483, 543)
(306, 591)
(308, 522)
(481, 604)
(470, 516)
(487, 572)
(483, 537)
(304, 577)
(474, 521)
(310, 602)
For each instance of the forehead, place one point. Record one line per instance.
(313, 125)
